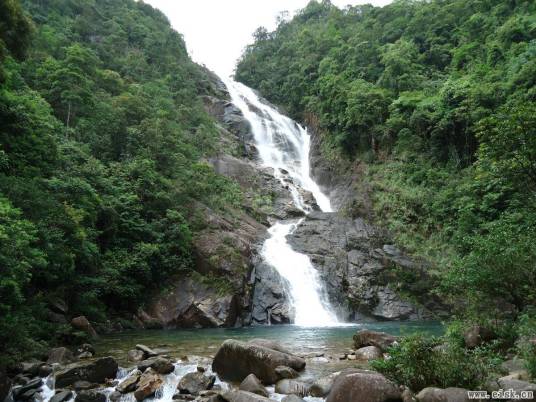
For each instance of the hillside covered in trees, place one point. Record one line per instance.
(102, 137)
(438, 100)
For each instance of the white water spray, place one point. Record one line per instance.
(284, 146)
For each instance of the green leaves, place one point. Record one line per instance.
(418, 362)
(102, 134)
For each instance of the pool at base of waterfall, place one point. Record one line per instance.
(205, 342)
(321, 347)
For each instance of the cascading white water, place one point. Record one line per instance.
(284, 146)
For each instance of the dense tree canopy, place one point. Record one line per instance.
(440, 97)
(102, 137)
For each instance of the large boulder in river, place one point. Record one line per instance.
(364, 386)
(235, 360)
(368, 353)
(291, 387)
(94, 372)
(322, 386)
(130, 383)
(62, 396)
(159, 364)
(373, 338)
(267, 343)
(90, 396)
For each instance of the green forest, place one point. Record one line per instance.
(105, 180)
(102, 140)
(437, 100)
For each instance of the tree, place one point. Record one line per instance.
(508, 144)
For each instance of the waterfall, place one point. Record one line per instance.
(284, 146)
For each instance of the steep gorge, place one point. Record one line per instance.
(355, 260)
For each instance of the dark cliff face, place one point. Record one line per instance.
(357, 265)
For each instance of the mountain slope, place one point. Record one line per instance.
(105, 186)
(426, 109)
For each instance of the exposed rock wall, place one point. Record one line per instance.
(355, 263)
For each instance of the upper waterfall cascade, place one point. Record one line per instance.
(284, 146)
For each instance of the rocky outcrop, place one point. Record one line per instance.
(271, 304)
(94, 372)
(356, 266)
(431, 394)
(193, 304)
(365, 386)
(235, 360)
(82, 324)
(381, 340)
(149, 383)
(194, 383)
(340, 180)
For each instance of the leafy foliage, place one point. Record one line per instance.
(102, 137)
(439, 97)
(419, 362)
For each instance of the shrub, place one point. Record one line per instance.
(418, 362)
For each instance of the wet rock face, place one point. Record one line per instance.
(194, 383)
(93, 372)
(367, 338)
(354, 261)
(235, 360)
(149, 383)
(190, 304)
(271, 304)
